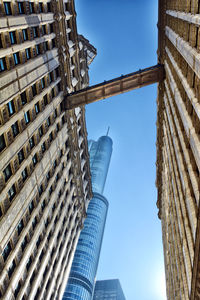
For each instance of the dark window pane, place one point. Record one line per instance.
(48, 6)
(37, 49)
(6, 251)
(37, 108)
(15, 129)
(21, 156)
(40, 7)
(34, 159)
(43, 147)
(31, 5)
(45, 100)
(2, 142)
(31, 207)
(31, 142)
(12, 192)
(2, 64)
(7, 8)
(40, 130)
(7, 172)
(11, 107)
(12, 37)
(20, 227)
(34, 31)
(21, 8)
(28, 53)
(25, 34)
(27, 117)
(29, 263)
(16, 58)
(24, 174)
(34, 223)
(16, 292)
(34, 90)
(11, 268)
(24, 243)
(43, 83)
(23, 98)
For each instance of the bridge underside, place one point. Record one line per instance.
(115, 86)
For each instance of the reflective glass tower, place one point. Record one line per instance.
(84, 267)
(108, 290)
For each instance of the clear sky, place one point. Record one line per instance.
(125, 35)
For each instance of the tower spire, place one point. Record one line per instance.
(108, 130)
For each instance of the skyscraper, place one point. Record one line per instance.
(45, 177)
(108, 290)
(84, 267)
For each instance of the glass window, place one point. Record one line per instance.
(40, 7)
(31, 142)
(40, 130)
(34, 31)
(2, 64)
(12, 192)
(24, 243)
(21, 156)
(16, 292)
(20, 227)
(55, 113)
(24, 174)
(40, 190)
(31, 5)
(29, 263)
(54, 43)
(34, 159)
(48, 121)
(25, 34)
(11, 268)
(23, 98)
(12, 37)
(15, 128)
(31, 207)
(37, 49)
(7, 8)
(50, 136)
(45, 99)
(34, 90)
(2, 142)
(48, 6)
(43, 83)
(7, 172)
(20, 8)
(52, 93)
(34, 223)
(28, 53)
(27, 117)
(11, 107)
(16, 58)
(51, 27)
(37, 108)
(43, 147)
(6, 251)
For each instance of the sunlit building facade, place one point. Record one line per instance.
(84, 267)
(108, 290)
(45, 180)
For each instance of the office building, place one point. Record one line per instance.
(84, 267)
(45, 180)
(108, 290)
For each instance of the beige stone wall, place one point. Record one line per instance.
(45, 182)
(178, 145)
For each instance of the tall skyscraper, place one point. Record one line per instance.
(108, 290)
(84, 267)
(44, 166)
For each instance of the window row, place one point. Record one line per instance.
(21, 57)
(19, 8)
(19, 36)
(16, 104)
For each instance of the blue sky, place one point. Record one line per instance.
(125, 35)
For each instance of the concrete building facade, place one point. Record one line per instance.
(45, 180)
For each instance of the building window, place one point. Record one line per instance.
(31, 142)
(48, 7)
(43, 83)
(51, 27)
(24, 174)
(43, 205)
(6, 251)
(2, 64)
(31, 5)
(34, 223)
(37, 49)
(43, 147)
(52, 93)
(31, 207)
(50, 190)
(37, 108)
(13, 37)
(7, 172)
(11, 268)
(40, 190)
(1, 213)
(24, 243)
(29, 262)
(34, 159)
(34, 90)
(23, 98)
(35, 32)
(40, 7)
(16, 58)
(38, 242)
(45, 99)
(16, 292)
(20, 8)
(55, 164)
(7, 8)
(51, 137)
(40, 130)
(25, 34)
(2, 142)
(27, 117)
(45, 46)
(28, 53)
(55, 113)
(11, 107)
(20, 227)
(54, 43)
(48, 121)
(15, 128)
(12, 192)
(21, 156)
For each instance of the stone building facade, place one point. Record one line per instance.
(178, 145)
(45, 182)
